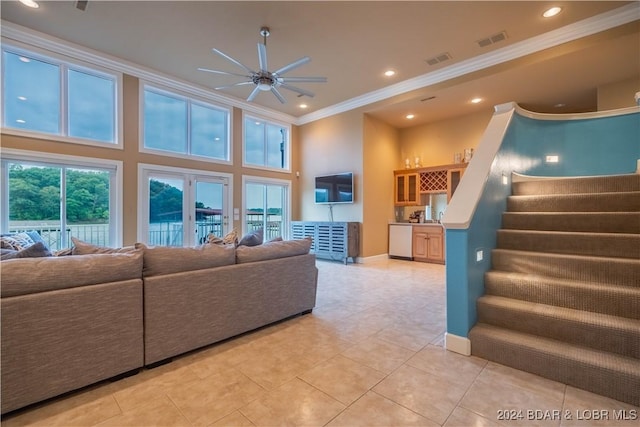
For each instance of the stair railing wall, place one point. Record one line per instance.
(519, 141)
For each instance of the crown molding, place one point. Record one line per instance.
(577, 30)
(27, 36)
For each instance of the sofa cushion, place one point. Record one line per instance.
(30, 275)
(85, 248)
(253, 238)
(272, 250)
(36, 250)
(167, 259)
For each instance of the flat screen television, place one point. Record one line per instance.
(336, 188)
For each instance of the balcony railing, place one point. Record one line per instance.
(165, 233)
(96, 234)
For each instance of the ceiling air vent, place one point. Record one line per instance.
(492, 39)
(438, 58)
(82, 5)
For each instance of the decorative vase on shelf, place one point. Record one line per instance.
(407, 164)
(468, 153)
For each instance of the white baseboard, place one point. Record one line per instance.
(457, 344)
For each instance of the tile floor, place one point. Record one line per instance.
(370, 354)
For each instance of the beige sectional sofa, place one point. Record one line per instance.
(71, 321)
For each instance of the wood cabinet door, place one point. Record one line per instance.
(435, 247)
(420, 245)
(400, 195)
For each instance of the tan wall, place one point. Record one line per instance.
(436, 143)
(331, 145)
(381, 156)
(131, 158)
(619, 94)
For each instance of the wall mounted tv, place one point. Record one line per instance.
(337, 188)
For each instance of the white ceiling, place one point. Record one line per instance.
(353, 43)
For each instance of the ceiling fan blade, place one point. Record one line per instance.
(262, 57)
(303, 79)
(298, 90)
(223, 72)
(293, 65)
(228, 58)
(233, 85)
(253, 94)
(278, 95)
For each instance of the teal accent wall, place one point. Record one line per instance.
(601, 146)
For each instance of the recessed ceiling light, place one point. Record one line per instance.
(24, 59)
(552, 12)
(389, 73)
(22, 98)
(476, 100)
(410, 116)
(560, 105)
(30, 3)
(303, 106)
(21, 121)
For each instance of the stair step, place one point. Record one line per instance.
(583, 202)
(569, 185)
(594, 330)
(616, 271)
(621, 245)
(602, 298)
(604, 373)
(597, 222)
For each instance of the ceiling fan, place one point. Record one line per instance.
(265, 80)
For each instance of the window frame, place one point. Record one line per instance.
(63, 160)
(65, 64)
(189, 99)
(287, 126)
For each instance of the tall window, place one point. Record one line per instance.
(60, 201)
(54, 97)
(181, 125)
(266, 144)
(266, 206)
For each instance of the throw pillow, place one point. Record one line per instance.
(37, 250)
(254, 238)
(213, 239)
(84, 248)
(16, 241)
(276, 239)
(231, 238)
(63, 252)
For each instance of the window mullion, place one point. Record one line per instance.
(63, 208)
(64, 100)
(188, 127)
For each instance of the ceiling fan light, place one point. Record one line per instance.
(264, 86)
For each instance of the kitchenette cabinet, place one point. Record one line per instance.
(407, 189)
(428, 243)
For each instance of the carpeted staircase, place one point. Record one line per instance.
(563, 297)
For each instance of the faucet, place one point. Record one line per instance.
(440, 217)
